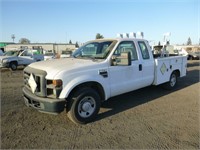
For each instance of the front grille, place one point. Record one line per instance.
(26, 78)
(39, 77)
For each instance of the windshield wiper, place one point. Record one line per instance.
(94, 58)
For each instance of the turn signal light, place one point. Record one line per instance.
(57, 83)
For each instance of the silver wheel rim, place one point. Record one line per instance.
(13, 66)
(173, 80)
(86, 107)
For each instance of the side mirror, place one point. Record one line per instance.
(123, 60)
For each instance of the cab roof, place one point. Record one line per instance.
(117, 39)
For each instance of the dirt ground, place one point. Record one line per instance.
(149, 118)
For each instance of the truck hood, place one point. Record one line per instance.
(55, 66)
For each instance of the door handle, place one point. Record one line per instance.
(140, 67)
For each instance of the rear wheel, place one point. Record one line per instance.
(13, 66)
(172, 82)
(190, 58)
(83, 105)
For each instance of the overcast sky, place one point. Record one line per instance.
(80, 20)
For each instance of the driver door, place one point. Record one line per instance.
(125, 78)
(26, 57)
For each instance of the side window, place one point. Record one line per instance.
(144, 50)
(127, 46)
(26, 53)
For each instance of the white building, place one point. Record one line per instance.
(188, 48)
(56, 47)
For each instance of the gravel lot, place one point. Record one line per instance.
(149, 118)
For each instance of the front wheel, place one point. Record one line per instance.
(172, 82)
(13, 66)
(84, 105)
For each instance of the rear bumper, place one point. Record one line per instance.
(43, 104)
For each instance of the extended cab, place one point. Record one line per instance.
(12, 59)
(97, 71)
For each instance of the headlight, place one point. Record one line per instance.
(54, 88)
(4, 61)
(57, 83)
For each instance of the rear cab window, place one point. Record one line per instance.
(144, 50)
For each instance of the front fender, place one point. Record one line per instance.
(4, 63)
(83, 79)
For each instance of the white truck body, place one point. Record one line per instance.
(108, 77)
(24, 57)
(163, 65)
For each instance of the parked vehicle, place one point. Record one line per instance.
(97, 71)
(66, 54)
(49, 56)
(181, 52)
(194, 56)
(157, 49)
(12, 59)
(1, 52)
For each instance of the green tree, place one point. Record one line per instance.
(76, 45)
(189, 42)
(168, 43)
(99, 36)
(70, 42)
(24, 41)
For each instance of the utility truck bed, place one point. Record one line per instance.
(165, 66)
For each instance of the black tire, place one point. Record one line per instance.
(172, 82)
(190, 58)
(13, 66)
(84, 105)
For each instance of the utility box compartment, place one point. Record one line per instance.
(165, 66)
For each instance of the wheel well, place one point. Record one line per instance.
(177, 72)
(14, 62)
(94, 85)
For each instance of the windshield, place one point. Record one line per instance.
(96, 49)
(11, 53)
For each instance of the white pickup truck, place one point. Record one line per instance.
(97, 71)
(12, 59)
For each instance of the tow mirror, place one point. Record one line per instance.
(123, 60)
